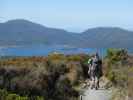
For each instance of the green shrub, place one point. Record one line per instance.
(130, 82)
(120, 71)
(115, 55)
(36, 78)
(4, 95)
(12, 97)
(57, 56)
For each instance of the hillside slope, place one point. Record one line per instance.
(23, 32)
(108, 37)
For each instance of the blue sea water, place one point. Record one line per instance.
(44, 50)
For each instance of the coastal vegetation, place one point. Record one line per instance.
(118, 68)
(49, 78)
(57, 76)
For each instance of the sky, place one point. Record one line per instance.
(71, 15)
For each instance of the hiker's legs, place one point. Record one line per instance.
(92, 82)
(89, 74)
(91, 79)
(96, 82)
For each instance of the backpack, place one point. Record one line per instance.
(97, 65)
(89, 61)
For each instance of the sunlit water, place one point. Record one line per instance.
(43, 50)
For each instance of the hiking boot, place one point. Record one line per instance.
(96, 88)
(92, 87)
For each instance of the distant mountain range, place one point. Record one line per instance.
(23, 32)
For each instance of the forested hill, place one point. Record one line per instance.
(23, 32)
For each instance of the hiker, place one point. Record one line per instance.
(95, 70)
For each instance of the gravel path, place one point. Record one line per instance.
(100, 94)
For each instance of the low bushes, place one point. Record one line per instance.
(52, 77)
(130, 83)
(119, 70)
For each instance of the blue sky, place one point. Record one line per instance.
(72, 15)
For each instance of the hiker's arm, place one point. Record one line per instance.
(89, 66)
